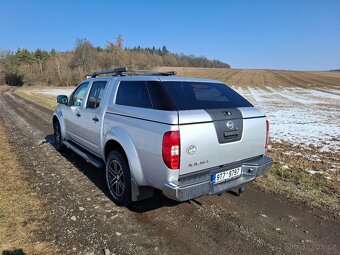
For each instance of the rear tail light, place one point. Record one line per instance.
(267, 134)
(171, 149)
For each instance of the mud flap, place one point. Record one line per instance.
(140, 192)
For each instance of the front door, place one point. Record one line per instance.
(92, 114)
(72, 113)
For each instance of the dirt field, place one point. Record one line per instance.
(264, 78)
(83, 219)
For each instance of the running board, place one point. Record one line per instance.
(91, 159)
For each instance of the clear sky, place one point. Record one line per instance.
(272, 34)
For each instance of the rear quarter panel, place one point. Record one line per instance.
(146, 137)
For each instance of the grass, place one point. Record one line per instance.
(289, 178)
(46, 101)
(21, 213)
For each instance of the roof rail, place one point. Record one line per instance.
(123, 71)
(116, 72)
(169, 73)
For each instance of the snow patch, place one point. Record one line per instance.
(53, 92)
(303, 117)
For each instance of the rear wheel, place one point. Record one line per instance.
(118, 178)
(58, 138)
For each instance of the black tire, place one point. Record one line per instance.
(58, 138)
(118, 177)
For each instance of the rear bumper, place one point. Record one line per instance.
(200, 184)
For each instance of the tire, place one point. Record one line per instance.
(118, 178)
(58, 138)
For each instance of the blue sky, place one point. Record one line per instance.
(298, 35)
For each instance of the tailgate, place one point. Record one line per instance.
(211, 138)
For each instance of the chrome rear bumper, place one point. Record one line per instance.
(200, 184)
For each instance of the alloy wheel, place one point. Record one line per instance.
(116, 178)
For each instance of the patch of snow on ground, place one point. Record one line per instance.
(293, 96)
(297, 119)
(256, 93)
(326, 95)
(54, 92)
(334, 91)
(311, 171)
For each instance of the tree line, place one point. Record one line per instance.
(43, 67)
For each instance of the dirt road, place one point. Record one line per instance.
(83, 220)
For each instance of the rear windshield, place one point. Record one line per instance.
(203, 95)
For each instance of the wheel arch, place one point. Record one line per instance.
(57, 116)
(119, 139)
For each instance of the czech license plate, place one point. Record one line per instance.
(226, 175)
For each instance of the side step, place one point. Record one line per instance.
(89, 158)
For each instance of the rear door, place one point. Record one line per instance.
(92, 117)
(217, 126)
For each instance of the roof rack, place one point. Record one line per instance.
(124, 71)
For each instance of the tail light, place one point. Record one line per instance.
(171, 149)
(267, 134)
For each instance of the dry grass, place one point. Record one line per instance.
(42, 100)
(21, 213)
(290, 179)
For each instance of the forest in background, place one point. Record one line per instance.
(55, 68)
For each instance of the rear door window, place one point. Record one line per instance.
(203, 95)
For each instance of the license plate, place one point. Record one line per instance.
(226, 175)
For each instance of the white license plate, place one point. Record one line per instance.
(226, 175)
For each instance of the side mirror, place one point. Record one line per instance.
(62, 99)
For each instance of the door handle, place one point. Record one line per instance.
(95, 119)
(78, 114)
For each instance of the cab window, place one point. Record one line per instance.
(78, 96)
(96, 94)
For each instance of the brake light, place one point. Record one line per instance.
(171, 149)
(267, 134)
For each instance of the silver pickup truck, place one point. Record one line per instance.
(187, 137)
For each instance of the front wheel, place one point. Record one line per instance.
(58, 139)
(118, 178)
